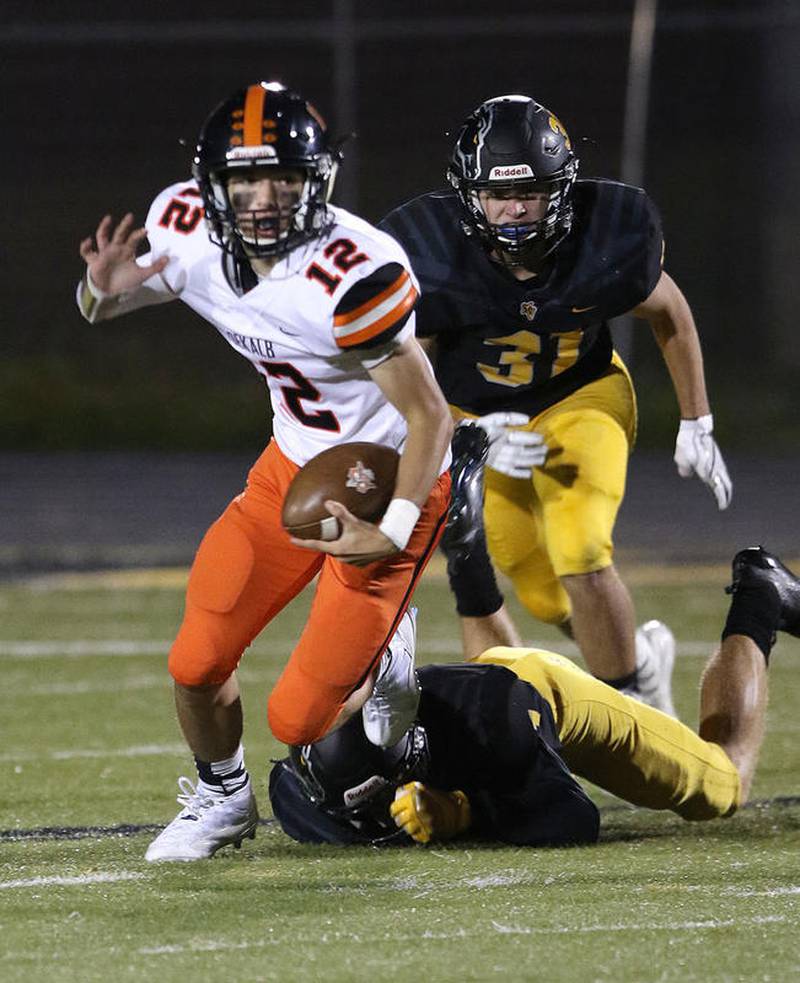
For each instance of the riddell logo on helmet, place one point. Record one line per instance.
(250, 153)
(352, 796)
(510, 171)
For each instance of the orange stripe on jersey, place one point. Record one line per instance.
(341, 319)
(253, 116)
(388, 319)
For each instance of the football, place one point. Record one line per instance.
(360, 475)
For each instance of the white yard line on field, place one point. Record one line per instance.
(102, 877)
(768, 892)
(710, 923)
(214, 945)
(82, 686)
(80, 649)
(136, 751)
(16, 649)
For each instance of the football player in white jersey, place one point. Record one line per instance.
(322, 304)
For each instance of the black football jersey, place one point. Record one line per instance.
(493, 736)
(505, 344)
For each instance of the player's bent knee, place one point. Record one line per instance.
(541, 593)
(289, 727)
(551, 611)
(589, 559)
(300, 711)
(197, 666)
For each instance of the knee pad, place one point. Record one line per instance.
(194, 663)
(553, 608)
(294, 722)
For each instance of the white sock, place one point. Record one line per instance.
(224, 777)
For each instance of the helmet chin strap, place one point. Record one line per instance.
(531, 256)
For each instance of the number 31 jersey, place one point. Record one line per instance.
(327, 312)
(506, 344)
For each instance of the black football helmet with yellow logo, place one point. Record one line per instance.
(512, 145)
(347, 776)
(265, 126)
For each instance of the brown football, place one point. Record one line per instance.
(360, 475)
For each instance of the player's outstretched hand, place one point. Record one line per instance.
(512, 452)
(111, 257)
(360, 543)
(696, 452)
(427, 814)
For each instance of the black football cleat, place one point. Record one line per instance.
(470, 448)
(755, 567)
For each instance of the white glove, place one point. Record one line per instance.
(512, 452)
(696, 452)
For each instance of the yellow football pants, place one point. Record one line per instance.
(623, 746)
(561, 522)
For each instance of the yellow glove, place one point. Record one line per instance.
(427, 814)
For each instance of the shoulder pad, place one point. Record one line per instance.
(621, 242)
(175, 225)
(428, 226)
(375, 308)
(178, 208)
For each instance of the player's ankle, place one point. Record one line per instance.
(225, 777)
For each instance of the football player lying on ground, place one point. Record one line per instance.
(322, 305)
(497, 740)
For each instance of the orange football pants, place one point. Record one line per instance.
(246, 570)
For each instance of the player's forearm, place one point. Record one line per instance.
(680, 349)
(407, 381)
(429, 435)
(668, 313)
(95, 305)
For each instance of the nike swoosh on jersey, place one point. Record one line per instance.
(580, 310)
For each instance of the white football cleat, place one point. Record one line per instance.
(655, 658)
(392, 707)
(206, 823)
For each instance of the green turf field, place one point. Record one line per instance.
(90, 743)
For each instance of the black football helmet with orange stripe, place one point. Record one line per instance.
(512, 144)
(265, 126)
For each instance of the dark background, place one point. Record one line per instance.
(96, 97)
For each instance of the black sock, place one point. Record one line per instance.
(631, 681)
(754, 612)
(473, 582)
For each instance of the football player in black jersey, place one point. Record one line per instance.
(521, 268)
(496, 741)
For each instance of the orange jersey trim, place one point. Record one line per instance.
(374, 329)
(340, 320)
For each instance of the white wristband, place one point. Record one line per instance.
(94, 290)
(399, 520)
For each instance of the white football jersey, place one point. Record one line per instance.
(326, 312)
